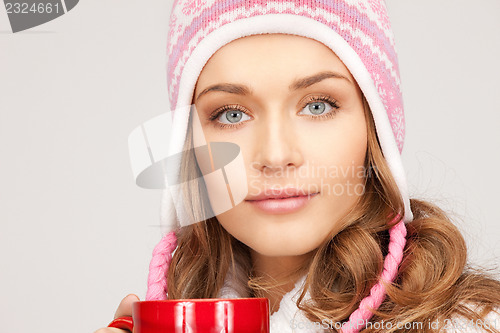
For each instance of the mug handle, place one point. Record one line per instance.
(124, 323)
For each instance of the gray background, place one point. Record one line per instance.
(76, 233)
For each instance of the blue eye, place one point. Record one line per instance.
(232, 116)
(229, 116)
(320, 106)
(317, 107)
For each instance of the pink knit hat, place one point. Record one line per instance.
(359, 33)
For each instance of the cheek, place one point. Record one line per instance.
(343, 184)
(221, 162)
(345, 156)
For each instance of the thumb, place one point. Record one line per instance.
(125, 307)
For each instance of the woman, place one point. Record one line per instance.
(309, 91)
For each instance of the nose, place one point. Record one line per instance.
(278, 144)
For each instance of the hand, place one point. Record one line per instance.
(124, 309)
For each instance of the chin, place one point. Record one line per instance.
(283, 252)
(280, 247)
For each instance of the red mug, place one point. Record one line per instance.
(207, 315)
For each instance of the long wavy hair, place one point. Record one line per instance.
(434, 284)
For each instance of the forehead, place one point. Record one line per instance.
(262, 57)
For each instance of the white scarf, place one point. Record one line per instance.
(288, 318)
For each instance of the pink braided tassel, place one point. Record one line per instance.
(359, 318)
(157, 278)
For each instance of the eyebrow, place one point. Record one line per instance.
(240, 89)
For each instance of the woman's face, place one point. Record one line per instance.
(297, 114)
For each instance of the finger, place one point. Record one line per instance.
(110, 330)
(125, 307)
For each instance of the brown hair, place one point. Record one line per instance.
(434, 283)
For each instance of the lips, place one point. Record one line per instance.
(281, 201)
(280, 193)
